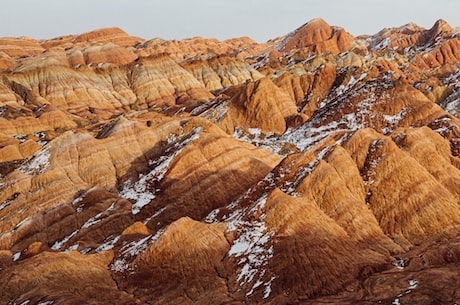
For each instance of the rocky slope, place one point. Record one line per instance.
(316, 168)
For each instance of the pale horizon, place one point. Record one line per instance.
(176, 19)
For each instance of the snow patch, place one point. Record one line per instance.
(444, 125)
(5, 204)
(453, 106)
(42, 136)
(372, 164)
(305, 137)
(252, 247)
(139, 192)
(289, 187)
(255, 136)
(38, 164)
(90, 222)
(452, 80)
(21, 137)
(268, 287)
(320, 127)
(261, 62)
(22, 222)
(78, 199)
(143, 191)
(108, 245)
(251, 241)
(120, 264)
(95, 219)
(351, 83)
(309, 134)
(400, 264)
(413, 284)
(73, 248)
(393, 121)
(16, 256)
(214, 111)
(383, 44)
(58, 244)
(212, 216)
(156, 214)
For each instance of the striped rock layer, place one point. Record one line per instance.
(315, 168)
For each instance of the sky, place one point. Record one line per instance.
(177, 19)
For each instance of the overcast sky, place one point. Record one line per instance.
(178, 19)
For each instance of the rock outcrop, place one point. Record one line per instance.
(217, 72)
(20, 47)
(317, 36)
(260, 105)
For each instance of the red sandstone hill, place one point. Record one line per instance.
(316, 168)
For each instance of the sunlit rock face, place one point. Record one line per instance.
(315, 168)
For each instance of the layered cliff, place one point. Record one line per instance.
(315, 168)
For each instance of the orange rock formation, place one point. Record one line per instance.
(316, 168)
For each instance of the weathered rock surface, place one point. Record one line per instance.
(316, 168)
(19, 47)
(319, 37)
(222, 71)
(261, 105)
(191, 47)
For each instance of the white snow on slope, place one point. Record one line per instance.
(253, 247)
(393, 120)
(452, 80)
(413, 284)
(16, 256)
(216, 114)
(351, 83)
(396, 302)
(372, 164)
(131, 250)
(38, 164)
(383, 44)
(22, 222)
(5, 204)
(90, 222)
(97, 218)
(143, 191)
(139, 191)
(109, 244)
(59, 243)
(453, 107)
(400, 264)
